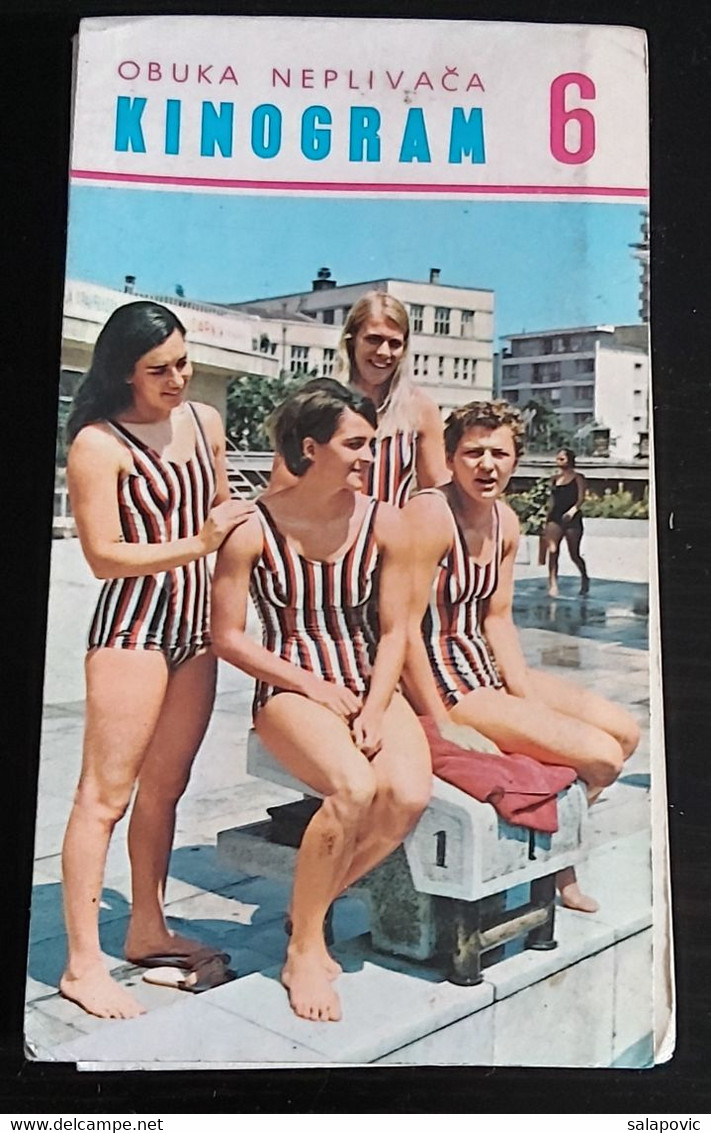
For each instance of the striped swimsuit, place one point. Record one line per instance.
(159, 501)
(313, 614)
(457, 650)
(392, 472)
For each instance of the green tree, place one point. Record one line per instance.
(250, 400)
(544, 431)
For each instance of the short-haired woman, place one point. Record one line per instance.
(314, 558)
(464, 662)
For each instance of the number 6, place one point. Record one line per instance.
(561, 116)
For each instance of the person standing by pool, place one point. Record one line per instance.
(565, 520)
(148, 485)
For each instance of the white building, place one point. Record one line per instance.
(451, 346)
(451, 331)
(590, 376)
(223, 343)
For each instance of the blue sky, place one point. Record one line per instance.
(550, 264)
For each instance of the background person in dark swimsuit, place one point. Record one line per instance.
(565, 520)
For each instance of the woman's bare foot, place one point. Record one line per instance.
(571, 895)
(332, 967)
(98, 994)
(166, 943)
(311, 993)
(552, 589)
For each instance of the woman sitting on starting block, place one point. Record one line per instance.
(314, 557)
(464, 663)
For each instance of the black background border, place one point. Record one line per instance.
(36, 79)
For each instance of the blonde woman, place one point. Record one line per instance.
(373, 359)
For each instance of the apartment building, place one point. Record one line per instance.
(594, 377)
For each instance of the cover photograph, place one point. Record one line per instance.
(352, 743)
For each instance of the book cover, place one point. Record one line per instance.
(257, 176)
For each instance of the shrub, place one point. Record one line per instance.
(531, 506)
(616, 505)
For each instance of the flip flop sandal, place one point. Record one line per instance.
(186, 961)
(209, 972)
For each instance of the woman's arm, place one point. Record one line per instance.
(393, 539)
(95, 464)
(230, 641)
(497, 623)
(431, 461)
(431, 538)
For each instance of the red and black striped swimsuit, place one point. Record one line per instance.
(314, 614)
(392, 472)
(459, 655)
(159, 501)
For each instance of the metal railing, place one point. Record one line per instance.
(248, 472)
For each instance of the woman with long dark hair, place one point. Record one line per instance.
(148, 485)
(315, 557)
(565, 520)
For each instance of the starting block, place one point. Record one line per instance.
(442, 895)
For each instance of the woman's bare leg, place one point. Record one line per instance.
(403, 772)
(162, 780)
(581, 704)
(572, 538)
(531, 727)
(115, 741)
(553, 533)
(547, 734)
(315, 745)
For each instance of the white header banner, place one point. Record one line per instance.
(304, 105)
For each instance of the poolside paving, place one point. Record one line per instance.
(604, 648)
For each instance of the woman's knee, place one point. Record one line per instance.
(104, 802)
(353, 795)
(162, 791)
(406, 801)
(606, 765)
(630, 736)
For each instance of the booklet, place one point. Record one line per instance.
(256, 177)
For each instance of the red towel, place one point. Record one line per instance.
(523, 791)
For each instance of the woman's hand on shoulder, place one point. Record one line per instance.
(222, 521)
